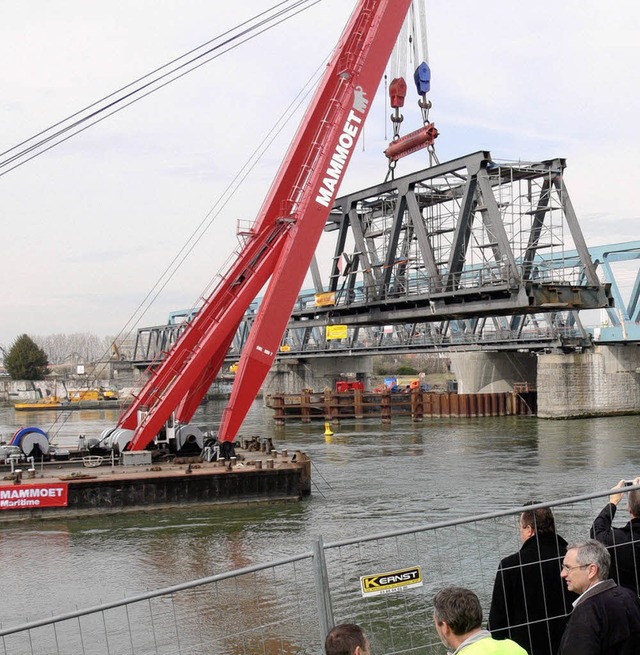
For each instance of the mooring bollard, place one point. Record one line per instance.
(258, 463)
(269, 463)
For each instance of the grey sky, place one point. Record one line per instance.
(89, 227)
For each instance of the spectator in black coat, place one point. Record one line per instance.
(530, 603)
(623, 544)
(606, 617)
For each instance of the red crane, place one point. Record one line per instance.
(281, 244)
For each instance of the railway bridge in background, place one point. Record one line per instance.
(470, 256)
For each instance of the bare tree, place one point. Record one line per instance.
(80, 347)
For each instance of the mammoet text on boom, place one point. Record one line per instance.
(345, 143)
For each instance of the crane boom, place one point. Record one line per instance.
(281, 244)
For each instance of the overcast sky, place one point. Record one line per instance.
(89, 227)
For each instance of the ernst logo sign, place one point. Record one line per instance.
(386, 583)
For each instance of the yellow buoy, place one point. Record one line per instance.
(328, 432)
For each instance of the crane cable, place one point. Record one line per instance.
(410, 56)
(419, 25)
(96, 112)
(421, 54)
(227, 194)
(198, 233)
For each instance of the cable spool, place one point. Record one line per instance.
(30, 438)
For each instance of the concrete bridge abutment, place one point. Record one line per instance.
(292, 376)
(493, 372)
(602, 382)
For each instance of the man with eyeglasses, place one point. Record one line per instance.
(623, 543)
(530, 604)
(606, 617)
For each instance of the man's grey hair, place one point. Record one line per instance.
(592, 552)
(459, 608)
(634, 503)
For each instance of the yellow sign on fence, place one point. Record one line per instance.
(387, 583)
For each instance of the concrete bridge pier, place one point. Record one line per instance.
(493, 372)
(603, 382)
(292, 376)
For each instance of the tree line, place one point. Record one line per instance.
(74, 348)
(29, 358)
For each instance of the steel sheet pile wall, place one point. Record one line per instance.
(335, 406)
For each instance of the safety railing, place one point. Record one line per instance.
(287, 606)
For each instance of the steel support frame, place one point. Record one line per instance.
(480, 283)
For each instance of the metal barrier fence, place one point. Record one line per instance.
(286, 606)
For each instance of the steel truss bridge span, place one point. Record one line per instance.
(468, 254)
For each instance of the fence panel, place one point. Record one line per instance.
(269, 610)
(464, 553)
(279, 608)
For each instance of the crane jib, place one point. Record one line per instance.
(319, 155)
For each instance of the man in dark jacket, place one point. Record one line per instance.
(530, 604)
(623, 544)
(606, 618)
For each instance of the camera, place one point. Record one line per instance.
(628, 483)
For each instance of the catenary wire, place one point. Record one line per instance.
(227, 194)
(140, 79)
(20, 158)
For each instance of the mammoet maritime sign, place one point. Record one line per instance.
(26, 496)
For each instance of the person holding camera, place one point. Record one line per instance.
(623, 543)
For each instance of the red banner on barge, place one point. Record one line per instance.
(24, 496)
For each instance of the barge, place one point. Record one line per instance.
(93, 485)
(65, 405)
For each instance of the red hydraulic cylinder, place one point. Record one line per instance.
(412, 142)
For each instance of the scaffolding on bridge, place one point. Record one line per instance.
(468, 254)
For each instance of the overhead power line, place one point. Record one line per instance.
(116, 101)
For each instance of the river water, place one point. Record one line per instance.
(367, 478)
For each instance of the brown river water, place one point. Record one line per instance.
(367, 478)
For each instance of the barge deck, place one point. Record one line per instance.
(97, 486)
